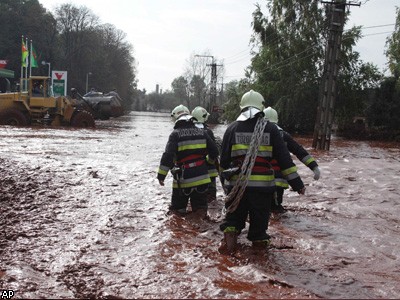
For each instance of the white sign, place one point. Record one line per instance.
(59, 82)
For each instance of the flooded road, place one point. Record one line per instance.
(82, 215)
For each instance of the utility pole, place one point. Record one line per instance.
(328, 88)
(213, 119)
(213, 93)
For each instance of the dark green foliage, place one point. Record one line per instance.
(384, 111)
(289, 64)
(72, 40)
(234, 91)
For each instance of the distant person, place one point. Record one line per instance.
(92, 92)
(295, 148)
(186, 155)
(37, 89)
(200, 116)
(114, 93)
(250, 144)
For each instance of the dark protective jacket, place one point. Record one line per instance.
(298, 150)
(235, 145)
(212, 169)
(191, 149)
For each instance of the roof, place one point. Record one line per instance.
(6, 73)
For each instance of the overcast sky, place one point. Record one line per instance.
(165, 34)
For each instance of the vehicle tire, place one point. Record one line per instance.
(14, 117)
(82, 119)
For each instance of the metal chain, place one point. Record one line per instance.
(237, 192)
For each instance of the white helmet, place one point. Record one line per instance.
(179, 112)
(271, 115)
(201, 114)
(252, 99)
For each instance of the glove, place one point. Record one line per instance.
(317, 173)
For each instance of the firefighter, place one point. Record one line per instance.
(186, 155)
(200, 116)
(295, 148)
(251, 143)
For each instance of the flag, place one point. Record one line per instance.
(34, 63)
(24, 53)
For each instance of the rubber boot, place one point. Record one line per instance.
(261, 244)
(199, 213)
(231, 241)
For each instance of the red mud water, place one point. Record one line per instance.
(82, 215)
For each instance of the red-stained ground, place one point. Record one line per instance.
(82, 215)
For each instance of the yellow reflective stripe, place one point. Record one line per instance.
(265, 148)
(261, 177)
(162, 172)
(192, 142)
(284, 185)
(240, 147)
(244, 147)
(257, 177)
(192, 147)
(191, 184)
(308, 161)
(213, 174)
(289, 171)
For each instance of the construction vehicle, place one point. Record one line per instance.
(36, 104)
(101, 106)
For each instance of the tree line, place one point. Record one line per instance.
(72, 39)
(286, 67)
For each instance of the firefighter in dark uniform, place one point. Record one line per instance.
(294, 147)
(257, 196)
(200, 116)
(187, 154)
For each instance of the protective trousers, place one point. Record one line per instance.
(256, 205)
(197, 196)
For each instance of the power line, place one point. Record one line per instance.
(376, 26)
(288, 61)
(377, 33)
(238, 54)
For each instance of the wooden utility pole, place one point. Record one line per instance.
(213, 119)
(328, 88)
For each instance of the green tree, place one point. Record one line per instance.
(180, 89)
(28, 18)
(101, 49)
(288, 66)
(393, 48)
(198, 92)
(384, 111)
(234, 91)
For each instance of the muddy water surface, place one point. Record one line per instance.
(82, 215)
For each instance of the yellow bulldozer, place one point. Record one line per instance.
(36, 104)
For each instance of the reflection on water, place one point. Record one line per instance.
(85, 217)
